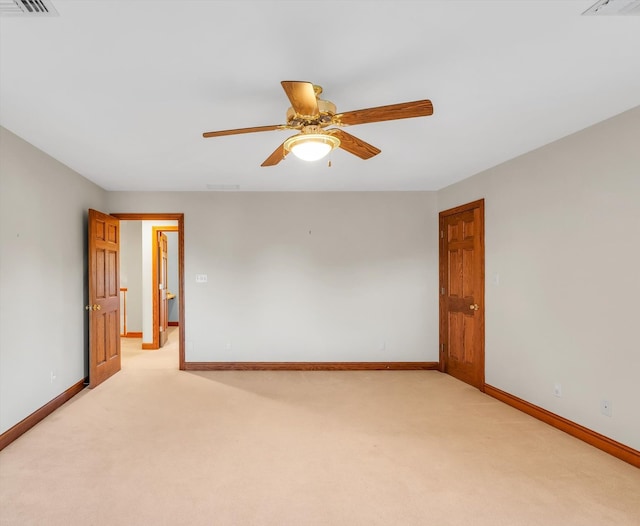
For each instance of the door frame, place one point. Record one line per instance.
(155, 279)
(181, 303)
(442, 286)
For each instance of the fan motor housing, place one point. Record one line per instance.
(326, 108)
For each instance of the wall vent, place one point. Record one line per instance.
(614, 7)
(223, 187)
(27, 8)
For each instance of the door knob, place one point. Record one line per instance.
(474, 306)
(98, 307)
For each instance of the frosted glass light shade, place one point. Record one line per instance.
(311, 146)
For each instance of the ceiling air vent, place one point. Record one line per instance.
(223, 187)
(614, 7)
(27, 8)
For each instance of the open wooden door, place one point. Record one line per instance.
(163, 320)
(104, 297)
(462, 293)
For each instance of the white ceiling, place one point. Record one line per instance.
(121, 91)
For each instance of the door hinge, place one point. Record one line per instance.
(441, 234)
(442, 291)
(442, 347)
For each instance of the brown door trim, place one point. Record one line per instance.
(443, 269)
(180, 219)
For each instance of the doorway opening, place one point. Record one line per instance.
(164, 279)
(160, 297)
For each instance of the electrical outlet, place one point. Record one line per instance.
(557, 390)
(53, 376)
(606, 407)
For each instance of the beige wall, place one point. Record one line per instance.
(353, 276)
(43, 275)
(562, 236)
(306, 276)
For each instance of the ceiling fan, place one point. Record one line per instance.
(311, 115)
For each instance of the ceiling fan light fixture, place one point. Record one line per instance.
(310, 115)
(311, 146)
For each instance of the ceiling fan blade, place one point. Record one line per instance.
(353, 145)
(278, 155)
(302, 97)
(242, 130)
(404, 110)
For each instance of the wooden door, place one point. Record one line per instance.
(104, 297)
(163, 302)
(462, 293)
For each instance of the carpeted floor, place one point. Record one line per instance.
(154, 445)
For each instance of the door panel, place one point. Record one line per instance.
(462, 293)
(112, 349)
(104, 297)
(456, 330)
(101, 270)
(99, 338)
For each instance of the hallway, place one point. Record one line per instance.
(134, 357)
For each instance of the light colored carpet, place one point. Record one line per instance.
(154, 445)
